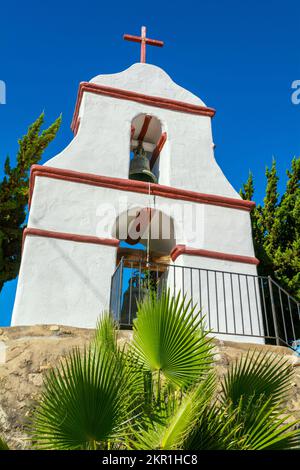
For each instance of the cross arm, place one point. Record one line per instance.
(129, 37)
(151, 42)
(154, 42)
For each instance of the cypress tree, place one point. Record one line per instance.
(247, 190)
(14, 190)
(271, 198)
(247, 193)
(276, 228)
(286, 233)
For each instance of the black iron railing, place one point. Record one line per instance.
(234, 304)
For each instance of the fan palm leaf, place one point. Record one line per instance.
(257, 374)
(160, 391)
(3, 444)
(255, 388)
(265, 426)
(86, 401)
(106, 334)
(174, 418)
(169, 338)
(217, 428)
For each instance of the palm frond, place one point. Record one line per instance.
(174, 418)
(87, 400)
(231, 428)
(257, 374)
(266, 427)
(217, 428)
(169, 337)
(255, 387)
(3, 444)
(193, 404)
(106, 333)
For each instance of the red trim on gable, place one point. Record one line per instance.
(183, 250)
(69, 236)
(137, 187)
(76, 127)
(159, 146)
(156, 101)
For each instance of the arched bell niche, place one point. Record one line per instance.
(147, 237)
(146, 144)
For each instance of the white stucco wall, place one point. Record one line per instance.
(149, 80)
(102, 143)
(63, 282)
(65, 206)
(55, 268)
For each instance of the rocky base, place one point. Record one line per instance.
(27, 352)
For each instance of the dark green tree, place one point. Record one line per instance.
(247, 193)
(284, 244)
(276, 227)
(247, 190)
(14, 189)
(271, 199)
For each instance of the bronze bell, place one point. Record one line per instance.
(136, 292)
(140, 167)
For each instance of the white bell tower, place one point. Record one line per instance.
(82, 202)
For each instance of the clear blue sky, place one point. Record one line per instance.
(238, 56)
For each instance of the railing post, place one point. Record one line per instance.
(120, 288)
(273, 310)
(110, 295)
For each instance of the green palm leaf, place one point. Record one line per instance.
(216, 429)
(265, 427)
(169, 338)
(3, 445)
(106, 333)
(159, 392)
(254, 388)
(174, 418)
(255, 375)
(106, 339)
(86, 401)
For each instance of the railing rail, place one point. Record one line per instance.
(235, 304)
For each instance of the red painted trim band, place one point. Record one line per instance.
(76, 127)
(183, 250)
(136, 187)
(156, 101)
(70, 237)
